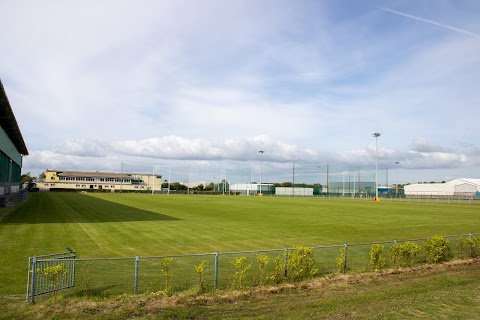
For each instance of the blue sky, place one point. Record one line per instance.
(206, 84)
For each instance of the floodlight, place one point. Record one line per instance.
(376, 135)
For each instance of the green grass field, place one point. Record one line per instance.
(126, 225)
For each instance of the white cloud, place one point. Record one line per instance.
(80, 147)
(188, 81)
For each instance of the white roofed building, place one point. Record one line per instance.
(455, 188)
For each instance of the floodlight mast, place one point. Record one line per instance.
(396, 184)
(261, 165)
(376, 135)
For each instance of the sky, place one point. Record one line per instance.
(204, 85)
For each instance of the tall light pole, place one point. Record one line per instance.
(219, 173)
(376, 135)
(261, 165)
(293, 178)
(396, 185)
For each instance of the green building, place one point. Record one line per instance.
(12, 148)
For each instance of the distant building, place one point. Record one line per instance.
(454, 188)
(81, 180)
(12, 148)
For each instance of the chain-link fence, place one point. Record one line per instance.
(70, 276)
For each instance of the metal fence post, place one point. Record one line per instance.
(73, 268)
(215, 272)
(394, 259)
(471, 247)
(135, 285)
(285, 257)
(34, 278)
(28, 277)
(345, 258)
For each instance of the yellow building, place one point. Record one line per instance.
(81, 180)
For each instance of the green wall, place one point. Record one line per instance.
(7, 152)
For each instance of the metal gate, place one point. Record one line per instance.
(50, 273)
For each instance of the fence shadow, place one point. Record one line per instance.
(48, 207)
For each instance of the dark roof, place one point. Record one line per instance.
(65, 173)
(89, 174)
(9, 123)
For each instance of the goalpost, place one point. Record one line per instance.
(141, 174)
(160, 178)
(239, 180)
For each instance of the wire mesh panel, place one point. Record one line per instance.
(104, 277)
(329, 259)
(176, 273)
(245, 269)
(358, 257)
(238, 270)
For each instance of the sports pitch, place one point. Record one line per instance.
(126, 225)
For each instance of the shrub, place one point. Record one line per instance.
(165, 267)
(404, 254)
(241, 267)
(54, 275)
(437, 249)
(201, 269)
(263, 261)
(468, 247)
(300, 264)
(340, 260)
(278, 274)
(377, 259)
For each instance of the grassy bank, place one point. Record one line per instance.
(446, 291)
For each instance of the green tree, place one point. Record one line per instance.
(209, 187)
(200, 187)
(27, 180)
(178, 186)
